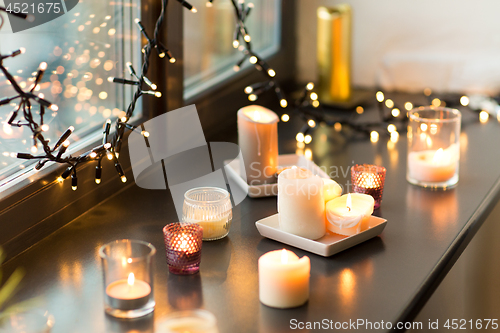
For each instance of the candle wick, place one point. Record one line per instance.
(348, 208)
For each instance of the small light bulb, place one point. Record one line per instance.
(158, 94)
(314, 96)
(252, 97)
(45, 127)
(162, 55)
(54, 107)
(93, 154)
(389, 103)
(310, 86)
(209, 4)
(236, 68)
(311, 123)
(66, 143)
(427, 91)
(22, 49)
(408, 106)
(74, 188)
(124, 179)
(307, 139)
(194, 10)
(337, 126)
(380, 96)
(236, 43)
(374, 136)
(247, 38)
(253, 59)
(271, 73)
(41, 95)
(315, 103)
(145, 134)
(97, 180)
(285, 118)
(107, 145)
(483, 116)
(394, 136)
(299, 137)
(110, 79)
(395, 112)
(248, 90)
(391, 128)
(360, 110)
(172, 60)
(283, 103)
(123, 119)
(109, 156)
(60, 179)
(464, 100)
(34, 149)
(154, 86)
(43, 66)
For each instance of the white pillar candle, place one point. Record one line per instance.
(331, 189)
(349, 214)
(258, 141)
(283, 279)
(301, 206)
(433, 165)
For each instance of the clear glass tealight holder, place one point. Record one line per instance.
(194, 321)
(30, 320)
(209, 207)
(128, 278)
(433, 147)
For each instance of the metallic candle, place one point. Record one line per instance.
(334, 53)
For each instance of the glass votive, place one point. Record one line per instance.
(32, 321)
(369, 179)
(209, 207)
(433, 147)
(128, 278)
(193, 321)
(183, 246)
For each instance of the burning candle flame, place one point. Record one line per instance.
(438, 156)
(349, 202)
(131, 279)
(284, 257)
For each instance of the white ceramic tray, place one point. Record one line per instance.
(269, 190)
(327, 245)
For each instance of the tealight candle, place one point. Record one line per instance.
(258, 141)
(301, 205)
(369, 179)
(128, 278)
(183, 243)
(433, 147)
(349, 214)
(283, 279)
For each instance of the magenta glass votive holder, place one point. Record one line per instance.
(183, 245)
(369, 179)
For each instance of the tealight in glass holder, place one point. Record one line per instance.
(209, 207)
(369, 179)
(128, 278)
(183, 243)
(433, 147)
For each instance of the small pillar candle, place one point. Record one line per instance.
(128, 294)
(258, 141)
(183, 245)
(349, 214)
(369, 179)
(283, 279)
(301, 205)
(433, 165)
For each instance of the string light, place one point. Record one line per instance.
(56, 153)
(307, 139)
(311, 123)
(464, 100)
(395, 112)
(310, 86)
(285, 118)
(380, 96)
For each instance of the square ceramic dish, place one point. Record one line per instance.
(269, 190)
(327, 245)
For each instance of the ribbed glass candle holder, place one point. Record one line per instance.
(183, 245)
(369, 179)
(209, 207)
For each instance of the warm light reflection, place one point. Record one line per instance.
(360, 110)
(347, 286)
(374, 136)
(308, 154)
(337, 127)
(307, 139)
(436, 102)
(427, 91)
(483, 116)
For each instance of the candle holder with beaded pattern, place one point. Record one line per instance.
(369, 179)
(183, 246)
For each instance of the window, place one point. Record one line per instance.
(209, 56)
(82, 48)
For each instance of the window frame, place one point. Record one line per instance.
(26, 203)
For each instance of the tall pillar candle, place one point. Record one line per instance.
(301, 204)
(258, 141)
(283, 279)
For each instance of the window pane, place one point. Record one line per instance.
(82, 48)
(209, 55)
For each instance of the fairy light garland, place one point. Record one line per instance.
(110, 146)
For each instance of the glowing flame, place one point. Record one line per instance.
(438, 156)
(284, 257)
(131, 279)
(349, 202)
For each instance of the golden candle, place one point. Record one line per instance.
(334, 53)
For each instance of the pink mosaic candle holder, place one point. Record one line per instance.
(183, 246)
(369, 179)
